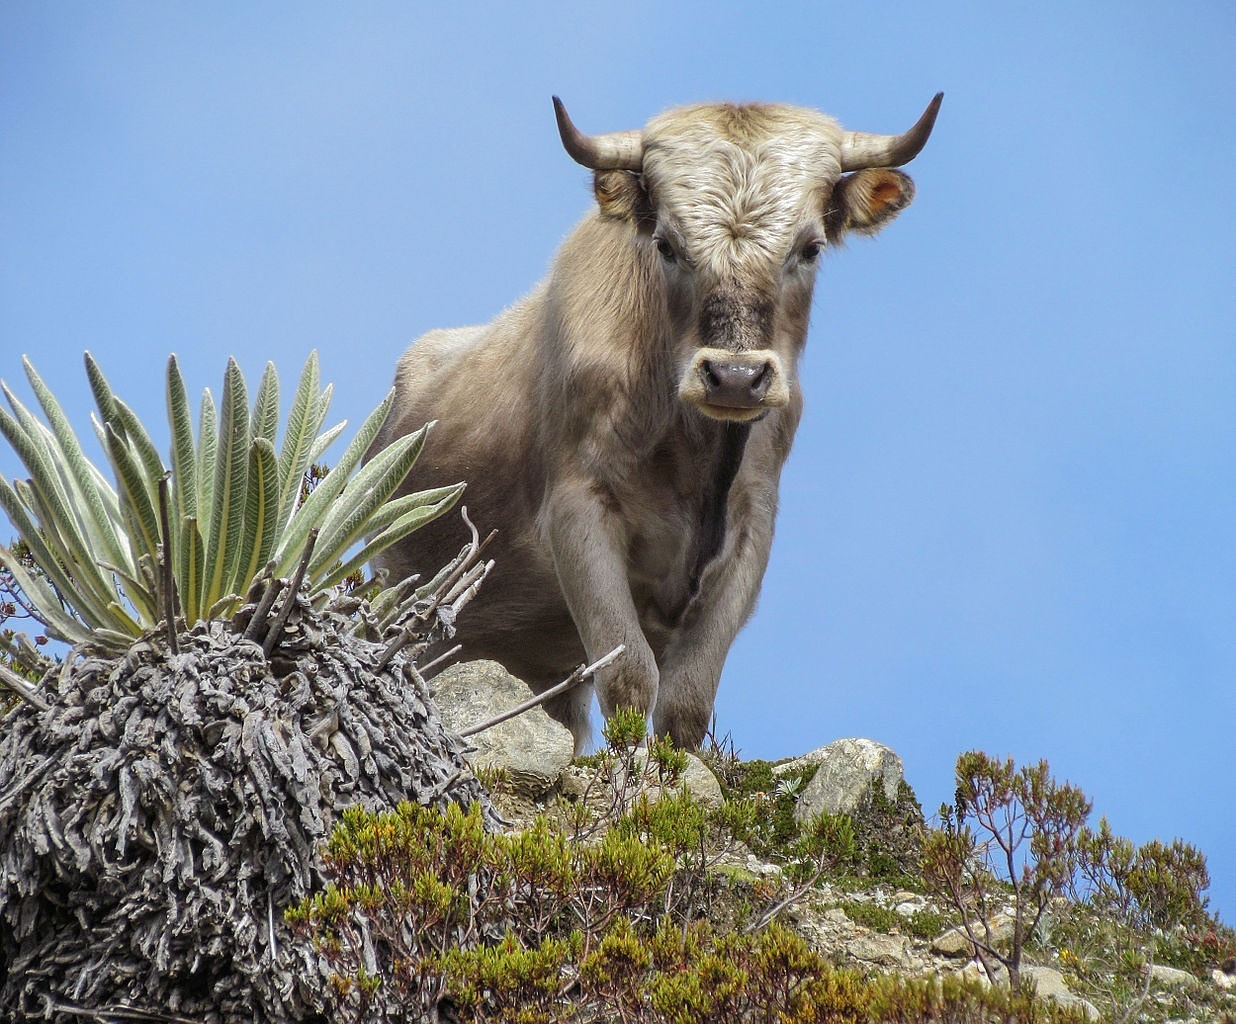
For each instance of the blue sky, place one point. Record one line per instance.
(1009, 521)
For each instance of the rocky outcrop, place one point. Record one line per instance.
(864, 779)
(1049, 984)
(955, 942)
(848, 775)
(528, 752)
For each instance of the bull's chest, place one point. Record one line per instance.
(680, 522)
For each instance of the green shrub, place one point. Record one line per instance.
(873, 916)
(536, 928)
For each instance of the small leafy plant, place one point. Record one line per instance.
(1017, 843)
(1020, 850)
(186, 539)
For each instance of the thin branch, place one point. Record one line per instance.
(262, 611)
(466, 589)
(270, 925)
(441, 788)
(402, 639)
(116, 1012)
(463, 514)
(22, 688)
(796, 894)
(425, 669)
(167, 582)
(576, 677)
(281, 620)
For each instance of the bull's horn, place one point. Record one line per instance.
(617, 151)
(863, 149)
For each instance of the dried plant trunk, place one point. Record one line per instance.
(160, 815)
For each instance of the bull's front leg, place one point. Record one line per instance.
(691, 664)
(589, 543)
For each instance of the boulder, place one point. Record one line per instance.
(1171, 977)
(1049, 984)
(530, 750)
(955, 943)
(850, 772)
(878, 950)
(865, 780)
(697, 781)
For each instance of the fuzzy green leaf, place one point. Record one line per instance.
(265, 421)
(261, 525)
(30, 440)
(190, 568)
(397, 507)
(298, 437)
(363, 496)
(324, 441)
(135, 500)
(102, 391)
(411, 521)
(85, 587)
(314, 510)
(207, 449)
(227, 511)
(98, 517)
(53, 560)
(46, 495)
(60, 625)
(151, 465)
(183, 452)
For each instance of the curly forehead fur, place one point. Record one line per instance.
(740, 181)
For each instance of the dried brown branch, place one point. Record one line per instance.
(275, 633)
(21, 687)
(116, 1012)
(262, 612)
(429, 666)
(574, 679)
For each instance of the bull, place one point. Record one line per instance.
(624, 425)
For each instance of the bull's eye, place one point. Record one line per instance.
(665, 249)
(810, 252)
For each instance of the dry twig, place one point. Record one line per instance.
(575, 678)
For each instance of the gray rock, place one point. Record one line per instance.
(1171, 977)
(954, 942)
(974, 972)
(1049, 984)
(849, 773)
(880, 950)
(697, 780)
(531, 750)
(700, 782)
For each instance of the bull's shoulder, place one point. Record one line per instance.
(435, 353)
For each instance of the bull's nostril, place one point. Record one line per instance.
(710, 377)
(762, 381)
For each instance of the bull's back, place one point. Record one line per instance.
(477, 384)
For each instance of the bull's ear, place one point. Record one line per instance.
(867, 200)
(622, 196)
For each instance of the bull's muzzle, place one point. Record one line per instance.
(734, 385)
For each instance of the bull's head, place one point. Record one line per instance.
(734, 204)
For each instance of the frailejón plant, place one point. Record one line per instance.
(192, 534)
